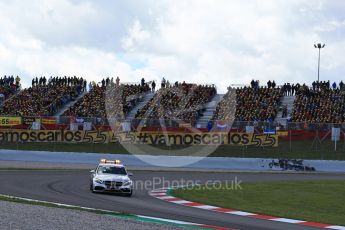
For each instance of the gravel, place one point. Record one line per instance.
(15, 216)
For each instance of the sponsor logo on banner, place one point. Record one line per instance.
(10, 121)
(29, 120)
(283, 133)
(242, 139)
(270, 131)
(48, 120)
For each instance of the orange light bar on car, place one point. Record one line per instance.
(105, 161)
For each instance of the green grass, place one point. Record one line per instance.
(297, 149)
(319, 201)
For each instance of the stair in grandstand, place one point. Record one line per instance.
(287, 100)
(69, 104)
(208, 112)
(140, 105)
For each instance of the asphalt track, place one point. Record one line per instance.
(72, 187)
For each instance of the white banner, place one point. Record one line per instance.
(73, 126)
(87, 126)
(249, 129)
(335, 134)
(36, 125)
(126, 126)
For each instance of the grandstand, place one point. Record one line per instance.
(42, 99)
(301, 117)
(250, 104)
(109, 100)
(321, 105)
(182, 104)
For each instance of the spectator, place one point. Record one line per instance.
(153, 86)
(273, 84)
(163, 83)
(84, 85)
(285, 111)
(17, 82)
(209, 125)
(287, 89)
(2, 98)
(334, 85)
(252, 83)
(269, 84)
(341, 85)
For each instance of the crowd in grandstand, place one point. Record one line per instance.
(226, 108)
(322, 103)
(254, 103)
(60, 81)
(43, 99)
(8, 86)
(288, 89)
(109, 99)
(257, 104)
(181, 101)
(107, 82)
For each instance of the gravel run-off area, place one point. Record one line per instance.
(20, 216)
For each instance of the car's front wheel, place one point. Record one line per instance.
(91, 187)
(129, 194)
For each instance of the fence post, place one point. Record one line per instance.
(290, 142)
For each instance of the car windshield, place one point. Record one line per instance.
(111, 170)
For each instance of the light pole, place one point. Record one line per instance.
(319, 46)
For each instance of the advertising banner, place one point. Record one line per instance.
(10, 121)
(153, 138)
(30, 120)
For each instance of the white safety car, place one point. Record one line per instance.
(111, 176)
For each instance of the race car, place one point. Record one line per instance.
(111, 176)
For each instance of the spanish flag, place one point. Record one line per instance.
(185, 125)
(48, 120)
